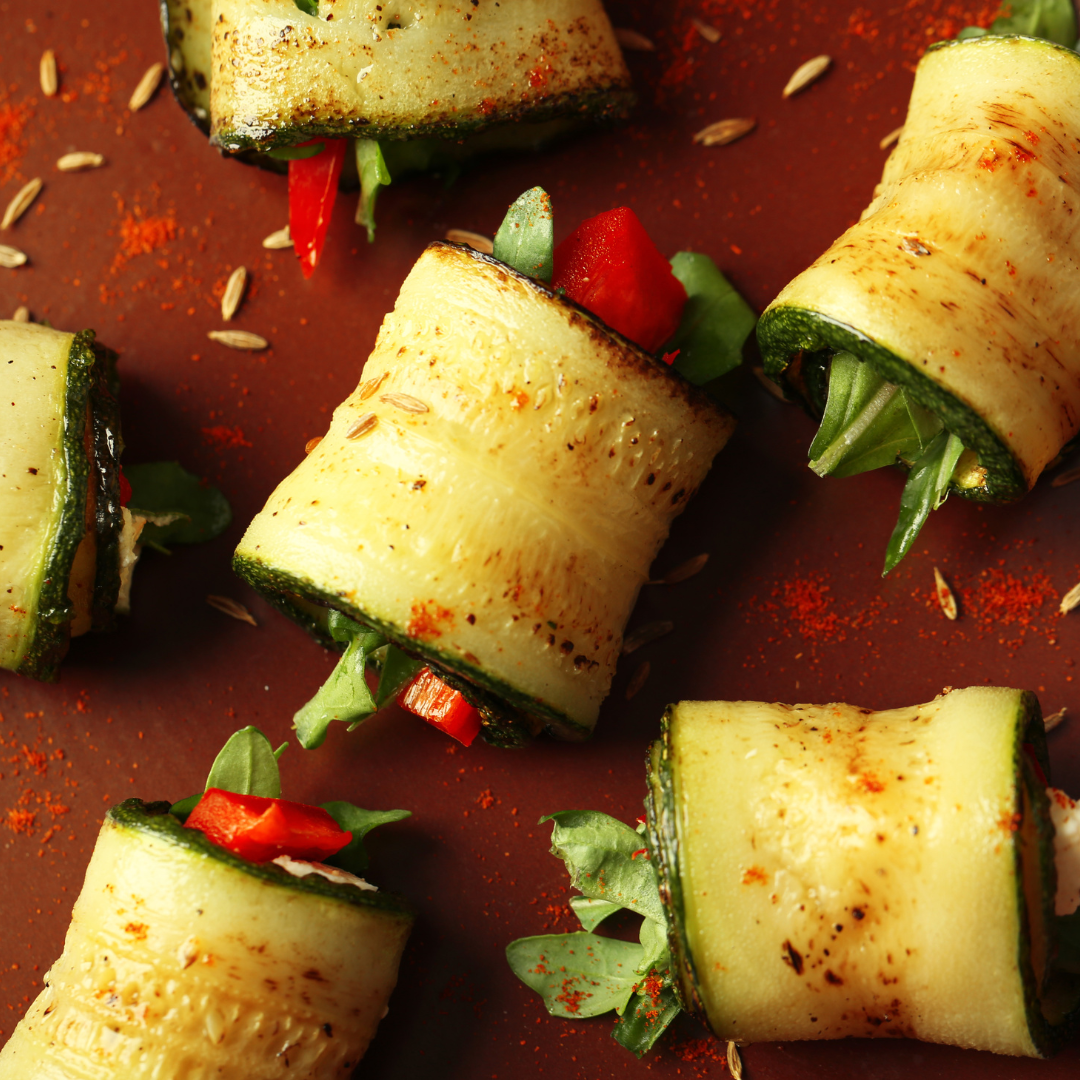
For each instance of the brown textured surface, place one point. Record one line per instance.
(142, 711)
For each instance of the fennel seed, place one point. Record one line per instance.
(405, 402)
(944, 596)
(238, 339)
(683, 571)
(893, 136)
(47, 73)
(807, 73)
(632, 40)
(1070, 600)
(637, 680)
(279, 240)
(79, 160)
(312, 443)
(1066, 477)
(362, 426)
(21, 203)
(725, 131)
(1050, 722)
(22, 314)
(142, 93)
(234, 293)
(707, 31)
(368, 388)
(646, 634)
(11, 257)
(734, 1061)
(232, 608)
(477, 241)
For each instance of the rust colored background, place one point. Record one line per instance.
(789, 607)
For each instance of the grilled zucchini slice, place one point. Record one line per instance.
(829, 871)
(961, 281)
(493, 493)
(59, 493)
(185, 960)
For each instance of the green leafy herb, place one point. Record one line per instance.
(1054, 20)
(398, 669)
(345, 695)
(308, 150)
(582, 974)
(374, 175)
(526, 237)
(246, 764)
(308, 7)
(359, 822)
(868, 422)
(716, 321)
(165, 490)
(926, 489)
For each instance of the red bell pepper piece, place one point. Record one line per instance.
(259, 829)
(441, 706)
(125, 490)
(313, 184)
(609, 265)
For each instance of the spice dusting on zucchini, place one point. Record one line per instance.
(486, 505)
(939, 333)
(822, 872)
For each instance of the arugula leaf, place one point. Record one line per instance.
(398, 669)
(926, 489)
(526, 237)
(606, 861)
(352, 856)
(345, 695)
(868, 422)
(591, 913)
(164, 489)
(578, 975)
(246, 764)
(307, 150)
(308, 7)
(374, 175)
(652, 1010)
(1054, 20)
(715, 324)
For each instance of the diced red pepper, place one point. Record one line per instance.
(441, 706)
(260, 829)
(609, 265)
(313, 184)
(125, 490)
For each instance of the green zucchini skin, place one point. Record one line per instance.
(521, 501)
(48, 643)
(961, 281)
(1043, 1001)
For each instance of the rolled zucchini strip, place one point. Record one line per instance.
(183, 960)
(492, 495)
(961, 281)
(60, 516)
(281, 76)
(829, 871)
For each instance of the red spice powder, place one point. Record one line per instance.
(999, 599)
(570, 998)
(13, 120)
(142, 234)
(808, 602)
(225, 438)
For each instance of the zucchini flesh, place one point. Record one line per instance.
(961, 282)
(503, 529)
(183, 961)
(46, 383)
(829, 871)
(282, 76)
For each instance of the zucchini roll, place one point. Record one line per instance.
(61, 522)
(829, 871)
(189, 956)
(491, 496)
(941, 331)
